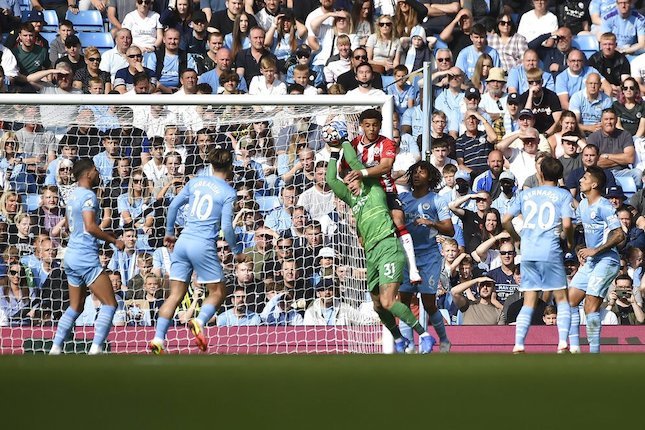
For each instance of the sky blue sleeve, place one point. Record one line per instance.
(227, 225)
(567, 206)
(515, 208)
(609, 214)
(179, 200)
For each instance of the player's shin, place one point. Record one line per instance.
(408, 246)
(65, 326)
(389, 322)
(522, 327)
(574, 329)
(593, 331)
(102, 327)
(564, 324)
(404, 313)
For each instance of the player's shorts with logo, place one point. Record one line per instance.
(595, 276)
(393, 202)
(429, 266)
(385, 263)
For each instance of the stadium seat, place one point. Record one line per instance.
(49, 37)
(387, 81)
(267, 203)
(103, 41)
(86, 20)
(628, 185)
(587, 43)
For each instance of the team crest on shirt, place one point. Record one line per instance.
(592, 214)
(88, 203)
(425, 206)
(482, 139)
(638, 115)
(431, 281)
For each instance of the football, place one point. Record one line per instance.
(334, 133)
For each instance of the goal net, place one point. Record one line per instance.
(303, 287)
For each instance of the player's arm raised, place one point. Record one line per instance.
(455, 205)
(337, 186)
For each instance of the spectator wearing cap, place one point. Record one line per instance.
(489, 180)
(179, 15)
(195, 41)
(418, 52)
(73, 57)
(104, 161)
(543, 102)
(124, 78)
(57, 46)
(573, 78)
(364, 76)
(615, 195)
(628, 25)
(508, 194)
(449, 101)
(571, 265)
(37, 19)
(468, 57)
(590, 156)
(616, 147)
(223, 62)
(493, 101)
(611, 64)
(348, 79)
(30, 57)
(472, 98)
(510, 120)
(247, 61)
(509, 44)
(474, 145)
(329, 310)
(518, 81)
(589, 103)
(571, 158)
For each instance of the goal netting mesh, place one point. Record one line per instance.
(303, 288)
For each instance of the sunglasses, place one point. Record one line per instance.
(507, 252)
(135, 56)
(479, 200)
(630, 88)
(302, 55)
(94, 59)
(505, 22)
(137, 181)
(222, 248)
(65, 168)
(143, 2)
(360, 57)
(385, 24)
(14, 272)
(535, 82)
(443, 60)
(529, 140)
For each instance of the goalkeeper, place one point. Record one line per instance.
(384, 253)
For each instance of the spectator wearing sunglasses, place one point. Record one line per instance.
(124, 78)
(348, 79)
(147, 31)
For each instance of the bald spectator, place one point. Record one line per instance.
(588, 104)
(223, 63)
(573, 78)
(489, 180)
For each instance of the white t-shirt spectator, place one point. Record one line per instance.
(9, 62)
(531, 26)
(259, 86)
(144, 30)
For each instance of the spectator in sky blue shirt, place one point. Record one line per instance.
(572, 79)
(468, 57)
(104, 161)
(239, 314)
(628, 25)
(589, 103)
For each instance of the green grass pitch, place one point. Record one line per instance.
(332, 392)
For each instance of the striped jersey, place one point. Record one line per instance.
(371, 155)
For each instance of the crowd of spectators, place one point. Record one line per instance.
(508, 88)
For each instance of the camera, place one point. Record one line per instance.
(623, 294)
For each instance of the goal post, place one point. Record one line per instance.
(160, 142)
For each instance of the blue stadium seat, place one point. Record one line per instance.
(49, 36)
(50, 18)
(86, 20)
(103, 41)
(628, 185)
(587, 43)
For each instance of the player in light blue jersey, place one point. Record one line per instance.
(547, 213)
(82, 264)
(210, 200)
(426, 215)
(602, 233)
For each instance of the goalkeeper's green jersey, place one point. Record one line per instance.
(370, 208)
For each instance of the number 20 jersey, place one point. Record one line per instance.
(542, 210)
